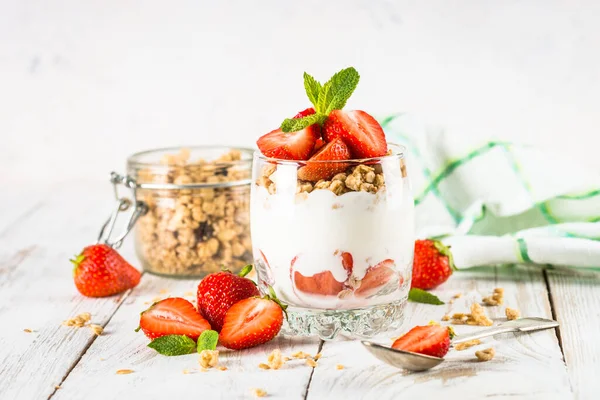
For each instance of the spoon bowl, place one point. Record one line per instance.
(421, 362)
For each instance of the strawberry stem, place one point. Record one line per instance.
(76, 261)
(245, 271)
(273, 297)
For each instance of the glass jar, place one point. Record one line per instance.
(197, 202)
(338, 251)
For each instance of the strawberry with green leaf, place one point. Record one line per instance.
(100, 271)
(432, 264)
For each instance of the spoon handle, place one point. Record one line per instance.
(522, 325)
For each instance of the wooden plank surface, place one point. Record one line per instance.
(157, 376)
(576, 303)
(39, 234)
(37, 291)
(525, 366)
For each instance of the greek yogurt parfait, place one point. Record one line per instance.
(332, 219)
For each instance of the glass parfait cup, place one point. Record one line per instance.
(338, 251)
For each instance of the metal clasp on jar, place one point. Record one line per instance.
(123, 204)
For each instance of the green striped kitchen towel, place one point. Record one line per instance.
(496, 202)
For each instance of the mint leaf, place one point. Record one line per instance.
(297, 124)
(173, 345)
(421, 296)
(325, 97)
(208, 340)
(342, 86)
(313, 88)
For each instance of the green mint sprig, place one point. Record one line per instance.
(421, 296)
(173, 345)
(208, 340)
(333, 95)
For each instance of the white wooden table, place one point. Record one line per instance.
(40, 228)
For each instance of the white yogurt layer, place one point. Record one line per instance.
(316, 227)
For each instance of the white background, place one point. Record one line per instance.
(83, 84)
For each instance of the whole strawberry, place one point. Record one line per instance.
(100, 271)
(432, 264)
(219, 291)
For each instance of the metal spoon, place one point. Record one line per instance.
(420, 362)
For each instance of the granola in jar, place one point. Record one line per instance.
(198, 210)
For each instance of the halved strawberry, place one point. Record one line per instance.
(361, 132)
(376, 278)
(432, 340)
(289, 146)
(305, 113)
(172, 316)
(315, 169)
(251, 322)
(318, 144)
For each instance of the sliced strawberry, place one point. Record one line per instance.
(376, 278)
(173, 316)
(322, 283)
(361, 132)
(289, 146)
(251, 322)
(347, 262)
(333, 151)
(305, 113)
(319, 143)
(432, 340)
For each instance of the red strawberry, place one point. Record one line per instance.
(335, 150)
(376, 278)
(172, 316)
(432, 340)
(219, 291)
(318, 144)
(101, 271)
(322, 283)
(361, 132)
(251, 322)
(347, 262)
(305, 113)
(432, 264)
(293, 145)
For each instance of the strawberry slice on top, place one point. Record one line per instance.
(360, 131)
(316, 168)
(291, 145)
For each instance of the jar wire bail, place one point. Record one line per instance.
(123, 204)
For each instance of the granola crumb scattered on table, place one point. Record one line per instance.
(466, 345)
(124, 371)
(27, 330)
(512, 314)
(97, 329)
(485, 355)
(495, 299)
(263, 366)
(317, 356)
(259, 392)
(275, 360)
(311, 363)
(476, 317)
(79, 321)
(339, 366)
(300, 354)
(446, 318)
(222, 368)
(209, 358)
